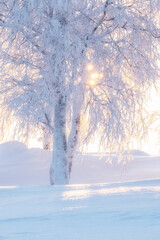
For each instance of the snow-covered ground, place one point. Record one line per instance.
(126, 211)
(25, 167)
(103, 211)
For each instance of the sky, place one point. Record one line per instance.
(152, 146)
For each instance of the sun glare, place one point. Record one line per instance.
(94, 75)
(89, 67)
(92, 83)
(101, 75)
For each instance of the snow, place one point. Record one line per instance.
(22, 166)
(124, 211)
(51, 86)
(104, 211)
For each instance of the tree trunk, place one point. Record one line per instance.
(47, 138)
(72, 141)
(59, 167)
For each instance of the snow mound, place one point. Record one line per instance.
(137, 152)
(10, 149)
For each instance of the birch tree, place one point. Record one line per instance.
(80, 69)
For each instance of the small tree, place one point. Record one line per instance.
(80, 68)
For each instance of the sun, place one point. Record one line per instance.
(94, 75)
(92, 83)
(89, 67)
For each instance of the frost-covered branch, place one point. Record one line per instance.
(45, 48)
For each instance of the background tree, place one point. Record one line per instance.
(81, 69)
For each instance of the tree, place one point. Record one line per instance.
(78, 68)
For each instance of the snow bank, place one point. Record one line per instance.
(24, 167)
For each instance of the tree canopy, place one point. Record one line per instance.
(80, 68)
